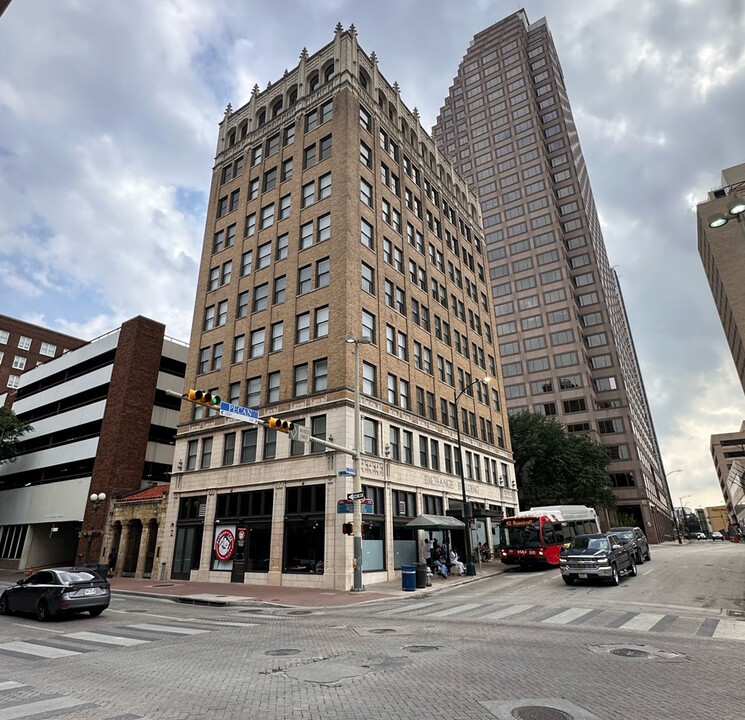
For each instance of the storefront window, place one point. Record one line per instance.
(304, 529)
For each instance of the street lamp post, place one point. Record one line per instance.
(96, 499)
(683, 513)
(672, 506)
(470, 567)
(357, 483)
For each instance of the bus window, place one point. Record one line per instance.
(548, 534)
(559, 533)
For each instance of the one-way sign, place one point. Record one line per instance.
(355, 496)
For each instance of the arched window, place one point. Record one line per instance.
(313, 82)
(262, 118)
(244, 129)
(277, 108)
(364, 81)
(328, 72)
(231, 138)
(293, 96)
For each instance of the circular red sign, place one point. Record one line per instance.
(224, 544)
(242, 534)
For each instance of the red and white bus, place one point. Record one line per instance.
(536, 536)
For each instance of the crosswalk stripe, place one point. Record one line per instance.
(506, 612)
(567, 616)
(169, 629)
(642, 622)
(456, 609)
(10, 685)
(17, 712)
(106, 639)
(27, 648)
(407, 608)
(730, 630)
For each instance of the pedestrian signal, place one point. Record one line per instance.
(347, 528)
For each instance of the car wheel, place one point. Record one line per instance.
(649, 556)
(42, 611)
(615, 577)
(568, 579)
(632, 570)
(4, 610)
(95, 612)
(639, 557)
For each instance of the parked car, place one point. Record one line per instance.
(56, 592)
(700, 536)
(638, 540)
(716, 535)
(600, 555)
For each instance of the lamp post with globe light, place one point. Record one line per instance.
(96, 499)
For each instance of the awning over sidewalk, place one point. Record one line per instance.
(435, 522)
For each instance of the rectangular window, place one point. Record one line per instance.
(320, 375)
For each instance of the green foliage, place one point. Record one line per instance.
(556, 468)
(626, 520)
(11, 431)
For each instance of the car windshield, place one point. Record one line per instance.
(625, 534)
(589, 543)
(77, 576)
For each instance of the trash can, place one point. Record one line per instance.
(421, 575)
(408, 577)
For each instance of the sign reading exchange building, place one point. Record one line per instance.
(448, 484)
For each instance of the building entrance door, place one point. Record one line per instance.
(186, 551)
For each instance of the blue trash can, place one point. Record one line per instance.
(408, 577)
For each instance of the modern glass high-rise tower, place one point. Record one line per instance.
(565, 343)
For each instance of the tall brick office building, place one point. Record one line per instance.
(332, 214)
(564, 337)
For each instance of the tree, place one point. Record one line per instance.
(554, 468)
(11, 431)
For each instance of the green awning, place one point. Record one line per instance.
(435, 522)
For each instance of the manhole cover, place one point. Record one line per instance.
(165, 585)
(381, 631)
(537, 712)
(629, 652)
(421, 648)
(736, 613)
(282, 651)
(299, 612)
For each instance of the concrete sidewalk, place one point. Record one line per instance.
(206, 593)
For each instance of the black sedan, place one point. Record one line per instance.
(57, 591)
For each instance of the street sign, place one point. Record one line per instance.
(355, 496)
(347, 506)
(300, 433)
(238, 412)
(346, 472)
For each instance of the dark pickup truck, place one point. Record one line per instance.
(602, 556)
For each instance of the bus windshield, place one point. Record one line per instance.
(522, 536)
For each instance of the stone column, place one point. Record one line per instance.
(141, 555)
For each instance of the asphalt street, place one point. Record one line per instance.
(666, 644)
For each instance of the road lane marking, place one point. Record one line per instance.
(224, 623)
(567, 616)
(646, 572)
(506, 612)
(642, 622)
(38, 627)
(730, 630)
(10, 685)
(454, 610)
(41, 706)
(167, 629)
(407, 608)
(27, 648)
(106, 639)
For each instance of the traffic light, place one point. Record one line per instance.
(282, 425)
(203, 398)
(347, 528)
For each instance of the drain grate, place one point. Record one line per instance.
(421, 648)
(736, 613)
(282, 651)
(539, 712)
(299, 612)
(165, 585)
(629, 652)
(381, 631)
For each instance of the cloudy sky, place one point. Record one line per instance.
(108, 128)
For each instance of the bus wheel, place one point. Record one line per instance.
(568, 579)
